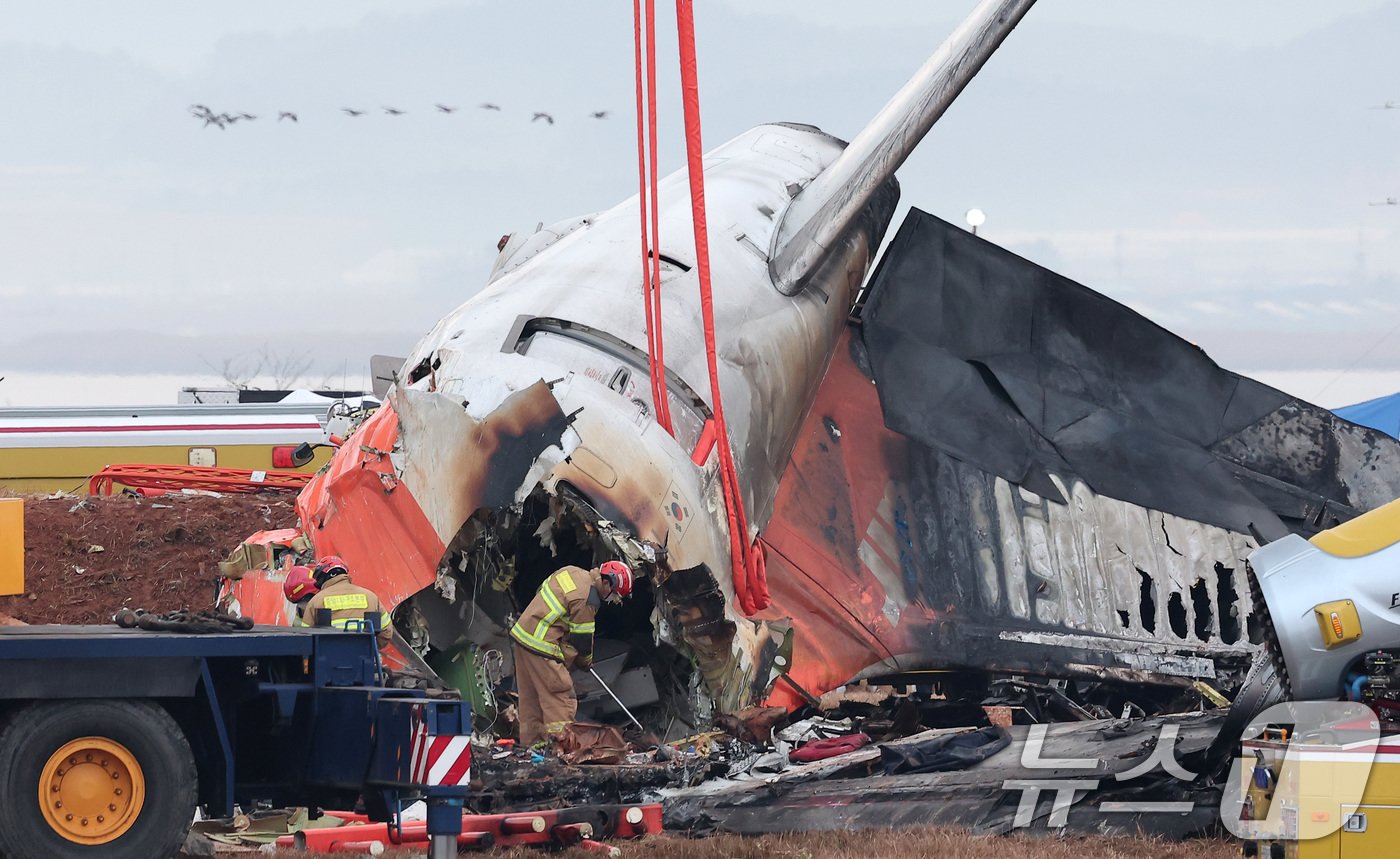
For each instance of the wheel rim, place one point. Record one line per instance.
(91, 790)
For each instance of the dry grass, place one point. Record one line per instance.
(883, 844)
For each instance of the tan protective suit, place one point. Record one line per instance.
(554, 632)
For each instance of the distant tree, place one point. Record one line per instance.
(285, 370)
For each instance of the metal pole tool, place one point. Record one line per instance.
(607, 689)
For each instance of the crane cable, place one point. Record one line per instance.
(647, 203)
(746, 558)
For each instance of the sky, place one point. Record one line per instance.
(1210, 164)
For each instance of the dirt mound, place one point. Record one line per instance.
(84, 558)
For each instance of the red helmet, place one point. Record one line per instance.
(619, 574)
(330, 565)
(299, 584)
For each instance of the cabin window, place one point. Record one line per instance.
(615, 364)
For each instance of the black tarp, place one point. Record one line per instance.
(1023, 373)
(944, 753)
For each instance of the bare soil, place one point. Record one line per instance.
(84, 558)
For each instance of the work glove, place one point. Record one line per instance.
(583, 661)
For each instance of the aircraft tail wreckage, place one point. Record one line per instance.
(970, 470)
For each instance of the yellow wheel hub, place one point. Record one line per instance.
(91, 790)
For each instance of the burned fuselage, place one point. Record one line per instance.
(921, 508)
(1056, 487)
(516, 442)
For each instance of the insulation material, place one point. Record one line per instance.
(258, 551)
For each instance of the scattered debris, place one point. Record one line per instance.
(943, 752)
(197, 846)
(586, 743)
(764, 772)
(820, 750)
(754, 725)
(981, 785)
(260, 827)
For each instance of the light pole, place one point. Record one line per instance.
(975, 218)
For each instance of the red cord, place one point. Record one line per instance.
(651, 231)
(750, 575)
(658, 377)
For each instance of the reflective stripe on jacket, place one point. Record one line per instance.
(558, 622)
(349, 606)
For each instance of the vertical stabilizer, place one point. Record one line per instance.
(820, 214)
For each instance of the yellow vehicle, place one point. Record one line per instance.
(1332, 800)
(58, 449)
(1331, 611)
(11, 546)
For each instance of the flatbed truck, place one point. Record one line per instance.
(111, 738)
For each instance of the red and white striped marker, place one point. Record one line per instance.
(439, 760)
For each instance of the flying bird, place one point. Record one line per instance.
(247, 116)
(599, 114)
(229, 119)
(286, 114)
(1390, 105)
(393, 111)
(486, 105)
(350, 111)
(444, 108)
(1388, 201)
(541, 115)
(200, 111)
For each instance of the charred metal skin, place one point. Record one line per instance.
(1041, 494)
(589, 322)
(893, 559)
(565, 305)
(773, 351)
(1003, 518)
(452, 442)
(1060, 488)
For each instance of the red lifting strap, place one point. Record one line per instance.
(647, 201)
(750, 576)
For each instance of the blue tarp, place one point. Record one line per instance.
(1382, 413)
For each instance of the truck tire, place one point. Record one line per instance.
(83, 779)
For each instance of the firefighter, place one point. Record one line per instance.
(299, 588)
(554, 633)
(344, 605)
